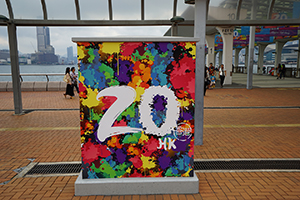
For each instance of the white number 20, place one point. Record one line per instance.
(125, 97)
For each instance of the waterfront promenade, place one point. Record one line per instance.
(238, 123)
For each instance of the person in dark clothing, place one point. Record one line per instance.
(282, 74)
(278, 71)
(222, 74)
(206, 80)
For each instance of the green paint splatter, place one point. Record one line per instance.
(92, 56)
(129, 112)
(133, 139)
(96, 116)
(164, 55)
(121, 169)
(170, 173)
(147, 55)
(105, 169)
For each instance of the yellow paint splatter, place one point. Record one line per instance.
(80, 50)
(190, 45)
(187, 174)
(91, 100)
(111, 47)
(139, 92)
(128, 170)
(144, 138)
(82, 140)
(148, 162)
(81, 78)
(184, 102)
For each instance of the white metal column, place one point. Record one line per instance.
(227, 36)
(260, 62)
(15, 70)
(236, 59)
(210, 40)
(278, 51)
(199, 32)
(298, 60)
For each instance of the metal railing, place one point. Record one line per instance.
(34, 74)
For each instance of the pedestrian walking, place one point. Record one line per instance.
(206, 80)
(222, 74)
(278, 71)
(282, 74)
(68, 80)
(74, 79)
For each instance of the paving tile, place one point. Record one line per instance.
(228, 133)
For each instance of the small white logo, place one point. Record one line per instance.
(183, 132)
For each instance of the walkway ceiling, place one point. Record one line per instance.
(146, 13)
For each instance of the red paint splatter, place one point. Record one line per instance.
(136, 161)
(107, 102)
(91, 152)
(183, 75)
(150, 147)
(127, 48)
(120, 123)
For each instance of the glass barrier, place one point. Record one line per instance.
(222, 10)
(58, 9)
(3, 9)
(286, 10)
(94, 10)
(126, 10)
(29, 9)
(158, 9)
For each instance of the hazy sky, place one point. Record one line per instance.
(60, 37)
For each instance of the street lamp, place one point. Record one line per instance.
(3, 18)
(175, 20)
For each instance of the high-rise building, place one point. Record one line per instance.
(45, 53)
(70, 54)
(43, 40)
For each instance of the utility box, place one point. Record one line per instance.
(137, 103)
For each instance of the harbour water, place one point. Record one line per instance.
(38, 69)
(60, 69)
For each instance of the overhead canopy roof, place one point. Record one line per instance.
(146, 13)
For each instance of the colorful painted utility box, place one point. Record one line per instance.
(136, 106)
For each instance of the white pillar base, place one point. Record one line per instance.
(136, 186)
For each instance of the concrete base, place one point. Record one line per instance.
(136, 186)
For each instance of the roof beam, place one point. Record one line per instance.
(142, 9)
(238, 9)
(270, 9)
(44, 9)
(222, 23)
(110, 10)
(9, 8)
(77, 9)
(175, 8)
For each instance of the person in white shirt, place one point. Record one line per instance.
(222, 74)
(74, 79)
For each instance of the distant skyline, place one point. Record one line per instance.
(92, 9)
(61, 37)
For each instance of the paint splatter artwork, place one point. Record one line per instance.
(137, 108)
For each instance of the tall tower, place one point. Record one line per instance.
(70, 54)
(43, 40)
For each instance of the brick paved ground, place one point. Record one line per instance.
(228, 133)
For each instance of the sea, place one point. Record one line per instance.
(60, 69)
(36, 69)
